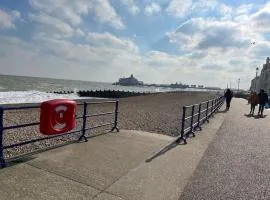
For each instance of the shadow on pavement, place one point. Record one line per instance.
(223, 111)
(19, 160)
(163, 151)
(255, 116)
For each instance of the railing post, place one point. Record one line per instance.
(2, 159)
(191, 121)
(115, 127)
(212, 108)
(199, 117)
(206, 113)
(217, 106)
(220, 102)
(84, 122)
(182, 136)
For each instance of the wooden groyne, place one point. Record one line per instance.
(103, 93)
(62, 92)
(109, 93)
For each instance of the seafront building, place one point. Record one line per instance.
(263, 80)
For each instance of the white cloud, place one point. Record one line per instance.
(261, 50)
(108, 40)
(79, 32)
(243, 9)
(132, 7)
(220, 10)
(105, 13)
(52, 26)
(73, 11)
(261, 19)
(225, 11)
(152, 9)
(202, 6)
(199, 33)
(7, 19)
(64, 9)
(179, 8)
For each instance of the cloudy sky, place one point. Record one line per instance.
(191, 41)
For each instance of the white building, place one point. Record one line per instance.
(255, 84)
(262, 81)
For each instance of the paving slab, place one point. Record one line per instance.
(236, 164)
(164, 176)
(106, 196)
(102, 160)
(29, 183)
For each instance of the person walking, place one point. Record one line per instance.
(228, 96)
(263, 99)
(253, 100)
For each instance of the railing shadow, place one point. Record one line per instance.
(164, 150)
(33, 155)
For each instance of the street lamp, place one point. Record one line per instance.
(238, 84)
(257, 70)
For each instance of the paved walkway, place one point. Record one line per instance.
(231, 162)
(237, 164)
(129, 165)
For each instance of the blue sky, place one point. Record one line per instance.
(191, 41)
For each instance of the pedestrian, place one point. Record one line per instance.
(228, 96)
(253, 100)
(263, 99)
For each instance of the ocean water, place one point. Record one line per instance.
(19, 89)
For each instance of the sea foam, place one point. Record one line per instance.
(14, 97)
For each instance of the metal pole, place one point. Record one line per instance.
(116, 117)
(199, 117)
(84, 122)
(238, 84)
(2, 159)
(206, 113)
(182, 136)
(191, 121)
(255, 89)
(212, 108)
(216, 104)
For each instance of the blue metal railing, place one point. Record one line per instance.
(189, 121)
(83, 136)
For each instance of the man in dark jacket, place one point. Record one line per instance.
(263, 99)
(228, 96)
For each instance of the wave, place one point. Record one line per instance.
(14, 97)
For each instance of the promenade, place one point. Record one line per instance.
(228, 159)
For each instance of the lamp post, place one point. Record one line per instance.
(257, 70)
(238, 84)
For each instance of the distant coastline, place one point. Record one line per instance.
(132, 81)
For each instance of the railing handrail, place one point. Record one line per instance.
(83, 130)
(212, 106)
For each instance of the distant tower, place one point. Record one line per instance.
(267, 60)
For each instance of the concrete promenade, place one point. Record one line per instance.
(228, 159)
(237, 163)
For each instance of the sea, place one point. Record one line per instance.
(22, 89)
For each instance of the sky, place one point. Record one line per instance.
(203, 42)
